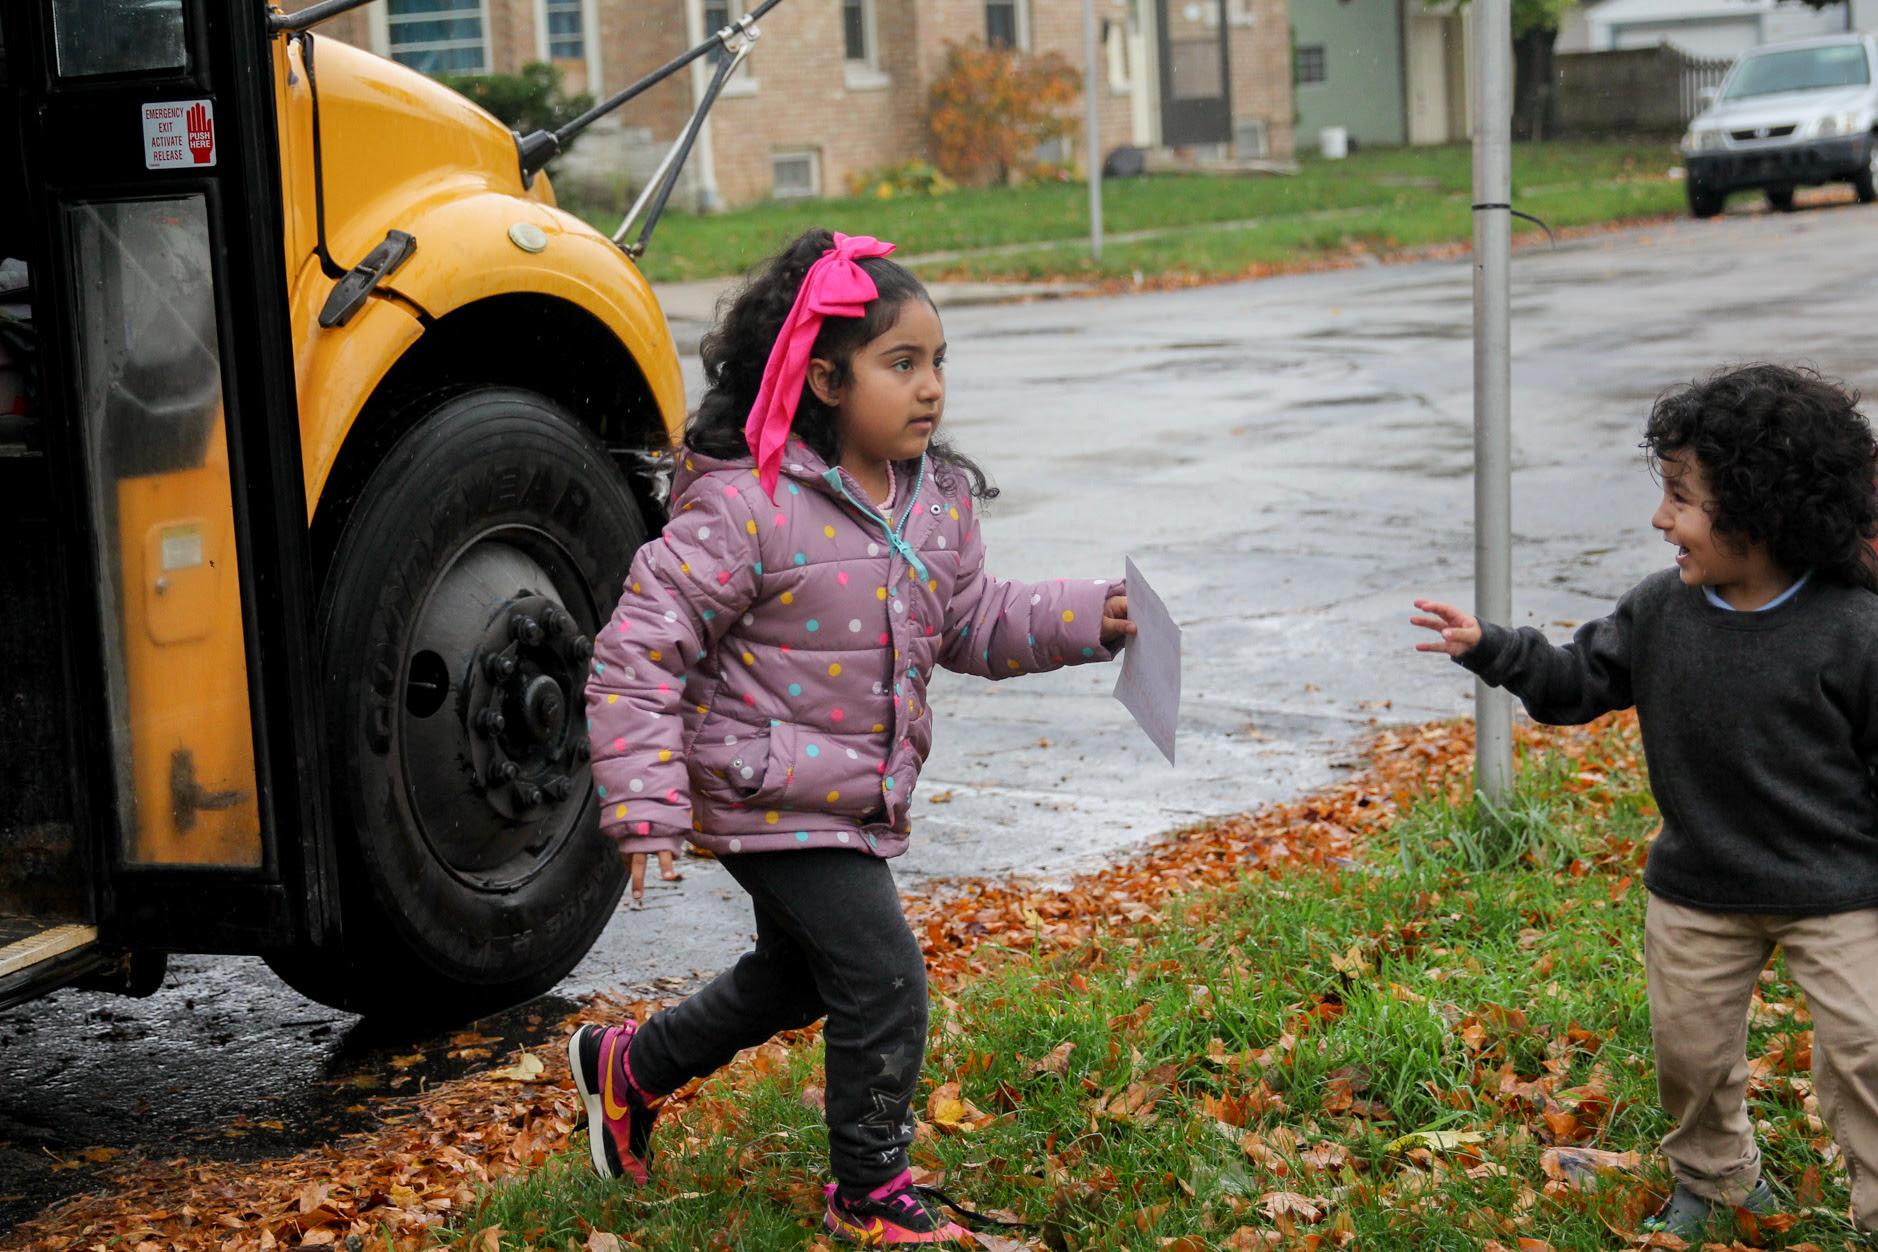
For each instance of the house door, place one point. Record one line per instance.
(1428, 120)
(1196, 94)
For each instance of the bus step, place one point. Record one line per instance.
(25, 943)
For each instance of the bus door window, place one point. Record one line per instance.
(151, 398)
(95, 37)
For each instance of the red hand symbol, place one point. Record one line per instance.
(201, 134)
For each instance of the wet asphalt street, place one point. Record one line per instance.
(1288, 461)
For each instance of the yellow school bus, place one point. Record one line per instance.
(324, 445)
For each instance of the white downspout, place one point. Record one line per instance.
(703, 153)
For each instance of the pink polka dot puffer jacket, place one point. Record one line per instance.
(762, 684)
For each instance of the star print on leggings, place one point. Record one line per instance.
(889, 1108)
(893, 1064)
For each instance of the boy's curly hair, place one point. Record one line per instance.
(737, 350)
(1790, 461)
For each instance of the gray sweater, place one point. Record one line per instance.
(1760, 731)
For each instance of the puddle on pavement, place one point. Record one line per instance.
(1339, 402)
(1403, 330)
(1025, 331)
(1572, 278)
(69, 1120)
(1191, 365)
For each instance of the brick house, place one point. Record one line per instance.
(837, 87)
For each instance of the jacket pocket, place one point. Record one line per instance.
(803, 770)
(728, 758)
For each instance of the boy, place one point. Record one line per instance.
(1753, 666)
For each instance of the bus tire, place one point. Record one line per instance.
(457, 620)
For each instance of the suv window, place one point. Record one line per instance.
(1799, 69)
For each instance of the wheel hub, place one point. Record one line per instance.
(544, 710)
(490, 735)
(525, 669)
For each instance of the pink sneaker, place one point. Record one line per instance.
(894, 1214)
(618, 1129)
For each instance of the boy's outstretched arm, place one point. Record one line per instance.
(1459, 631)
(1560, 686)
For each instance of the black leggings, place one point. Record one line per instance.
(830, 941)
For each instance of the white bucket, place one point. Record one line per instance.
(1334, 143)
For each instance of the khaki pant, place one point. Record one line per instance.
(1702, 968)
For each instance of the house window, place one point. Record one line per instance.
(1115, 47)
(713, 16)
(795, 175)
(567, 36)
(855, 21)
(1311, 67)
(437, 36)
(1004, 24)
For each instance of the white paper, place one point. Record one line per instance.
(1150, 683)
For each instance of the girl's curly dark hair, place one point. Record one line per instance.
(736, 351)
(1790, 461)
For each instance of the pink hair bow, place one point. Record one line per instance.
(835, 286)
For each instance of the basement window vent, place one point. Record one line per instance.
(1251, 141)
(795, 175)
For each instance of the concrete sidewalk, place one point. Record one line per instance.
(691, 308)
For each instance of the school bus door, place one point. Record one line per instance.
(148, 145)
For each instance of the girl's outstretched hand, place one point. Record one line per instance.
(1115, 624)
(1460, 632)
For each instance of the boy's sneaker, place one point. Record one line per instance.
(894, 1214)
(619, 1113)
(1686, 1214)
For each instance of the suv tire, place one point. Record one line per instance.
(1705, 201)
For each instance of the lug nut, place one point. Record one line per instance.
(527, 795)
(502, 772)
(491, 723)
(557, 622)
(526, 629)
(583, 647)
(498, 667)
(559, 788)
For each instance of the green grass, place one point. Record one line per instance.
(1412, 196)
(1467, 949)
(1222, 252)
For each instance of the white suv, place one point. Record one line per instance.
(1788, 115)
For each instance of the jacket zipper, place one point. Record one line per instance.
(896, 537)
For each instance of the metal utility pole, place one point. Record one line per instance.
(1493, 442)
(1093, 160)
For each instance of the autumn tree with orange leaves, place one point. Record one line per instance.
(991, 108)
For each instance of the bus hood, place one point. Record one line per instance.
(393, 144)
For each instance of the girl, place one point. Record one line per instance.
(761, 689)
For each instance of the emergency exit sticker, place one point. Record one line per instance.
(179, 135)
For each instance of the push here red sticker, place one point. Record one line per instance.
(179, 134)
